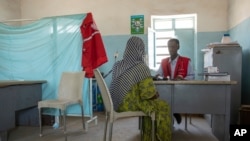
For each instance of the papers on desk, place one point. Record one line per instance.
(218, 44)
(220, 76)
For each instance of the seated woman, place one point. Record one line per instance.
(132, 89)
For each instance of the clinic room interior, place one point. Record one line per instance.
(198, 24)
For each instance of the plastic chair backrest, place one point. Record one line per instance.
(104, 91)
(71, 85)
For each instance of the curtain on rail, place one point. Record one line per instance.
(42, 50)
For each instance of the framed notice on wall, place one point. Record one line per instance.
(137, 24)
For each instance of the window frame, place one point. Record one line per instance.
(153, 60)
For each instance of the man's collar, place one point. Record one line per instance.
(174, 59)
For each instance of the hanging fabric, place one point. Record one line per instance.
(42, 50)
(93, 51)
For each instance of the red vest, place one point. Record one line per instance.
(180, 68)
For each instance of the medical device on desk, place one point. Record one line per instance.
(213, 74)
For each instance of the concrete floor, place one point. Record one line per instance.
(124, 130)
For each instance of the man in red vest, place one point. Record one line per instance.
(175, 67)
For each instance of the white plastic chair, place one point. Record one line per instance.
(112, 115)
(69, 92)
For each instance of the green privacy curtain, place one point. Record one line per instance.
(42, 50)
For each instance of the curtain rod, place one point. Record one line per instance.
(17, 20)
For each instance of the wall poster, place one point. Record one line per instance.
(137, 24)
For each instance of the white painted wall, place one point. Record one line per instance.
(238, 11)
(10, 9)
(113, 16)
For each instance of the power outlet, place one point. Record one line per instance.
(116, 54)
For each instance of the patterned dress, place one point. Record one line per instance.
(132, 89)
(140, 95)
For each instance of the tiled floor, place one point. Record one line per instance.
(124, 130)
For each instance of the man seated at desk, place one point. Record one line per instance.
(175, 67)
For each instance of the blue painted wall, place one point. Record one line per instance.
(188, 48)
(241, 33)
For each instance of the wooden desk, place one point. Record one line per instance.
(200, 97)
(15, 96)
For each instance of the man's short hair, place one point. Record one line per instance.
(174, 40)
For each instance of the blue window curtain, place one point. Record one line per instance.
(42, 50)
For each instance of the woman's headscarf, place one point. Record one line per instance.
(129, 71)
